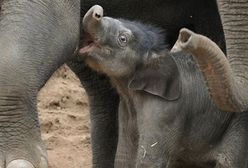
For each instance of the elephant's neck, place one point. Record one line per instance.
(121, 84)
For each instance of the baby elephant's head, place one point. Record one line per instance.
(116, 46)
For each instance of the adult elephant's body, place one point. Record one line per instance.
(36, 37)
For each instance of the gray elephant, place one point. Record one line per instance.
(29, 35)
(166, 117)
(36, 37)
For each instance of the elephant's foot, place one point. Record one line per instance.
(20, 137)
(20, 147)
(32, 156)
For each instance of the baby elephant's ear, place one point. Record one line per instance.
(160, 78)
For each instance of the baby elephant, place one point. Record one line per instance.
(166, 117)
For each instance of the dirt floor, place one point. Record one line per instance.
(64, 117)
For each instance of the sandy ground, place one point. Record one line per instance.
(64, 117)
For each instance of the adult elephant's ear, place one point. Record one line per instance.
(160, 77)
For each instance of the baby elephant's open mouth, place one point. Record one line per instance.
(87, 49)
(89, 44)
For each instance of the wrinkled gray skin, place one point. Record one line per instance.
(36, 37)
(166, 116)
(29, 34)
(225, 74)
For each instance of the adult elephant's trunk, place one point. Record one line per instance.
(227, 77)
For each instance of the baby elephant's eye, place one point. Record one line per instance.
(122, 40)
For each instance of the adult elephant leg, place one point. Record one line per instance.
(36, 37)
(103, 114)
(227, 78)
(232, 151)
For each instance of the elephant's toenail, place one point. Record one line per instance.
(20, 163)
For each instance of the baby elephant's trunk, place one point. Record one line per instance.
(92, 20)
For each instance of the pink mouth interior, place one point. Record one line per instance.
(86, 49)
(87, 45)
